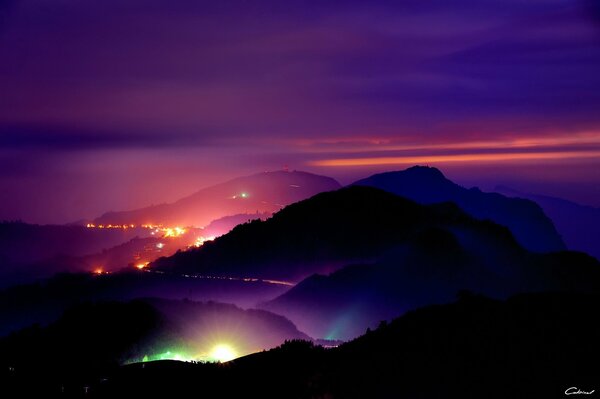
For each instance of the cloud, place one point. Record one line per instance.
(69, 139)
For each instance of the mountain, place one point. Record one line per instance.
(426, 185)
(319, 234)
(225, 224)
(44, 301)
(263, 192)
(428, 269)
(529, 346)
(401, 255)
(579, 225)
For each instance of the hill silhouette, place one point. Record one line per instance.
(430, 268)
(401, 255)
(427, 185)
(262, 192)
(579, 225)
(43, 302)
(534, 345)
(319, 234)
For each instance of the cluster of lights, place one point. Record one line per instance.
(157, 228)
(240, 195)
(110, 226)
(201, 240)
(219, 353)
(99, 271)
(141, 266)
(173, 232)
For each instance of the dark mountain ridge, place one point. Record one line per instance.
(427, 185)
(316, 235)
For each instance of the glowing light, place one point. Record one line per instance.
(201, 240)
(223, 353)
(160, 245)
(244, 195)
(110, 226)
(140, 266)
(168, 355)
(98, 270)
(174, 232)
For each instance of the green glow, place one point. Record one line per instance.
(168, 355)
(244, 195)
(342, 323)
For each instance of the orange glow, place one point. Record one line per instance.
(358, 145)
(141, 266)
(110, 226)
(424, 159)
(174, 232)
(201, 240)
(98, 271)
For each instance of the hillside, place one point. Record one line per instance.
(320, 234)
(263, 193)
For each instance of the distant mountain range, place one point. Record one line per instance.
(25, 243)
(404, 254)
(579, 225)
(264, 192)
(426, 185)
(31, 251)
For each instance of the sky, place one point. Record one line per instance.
(117, 104)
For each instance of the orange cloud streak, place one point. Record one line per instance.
(424, 159)
(360, 145)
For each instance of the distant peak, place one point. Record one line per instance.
(425, 171)
(420, 173)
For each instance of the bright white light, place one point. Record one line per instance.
(223, 353)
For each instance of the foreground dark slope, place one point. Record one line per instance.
(262, 192)
(531, 346)
(425, 185)
(92, 339)
(317, 235)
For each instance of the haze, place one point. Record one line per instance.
(116, 105)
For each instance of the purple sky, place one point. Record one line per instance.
(116, 104)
